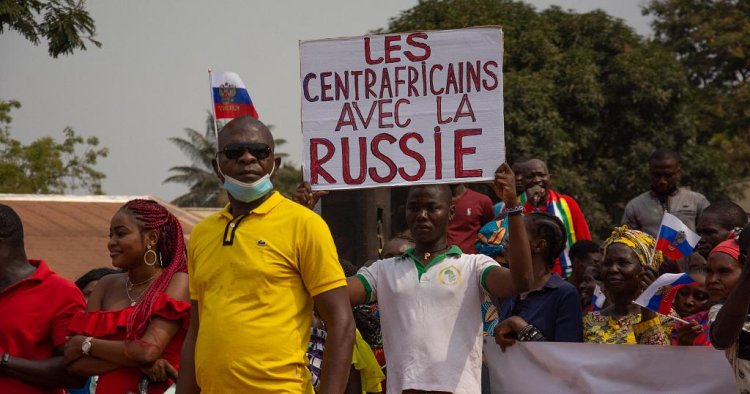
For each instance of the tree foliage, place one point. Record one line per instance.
(205, 188)
(712, 40)
(46, 166)
(65, 24)
(588, 95)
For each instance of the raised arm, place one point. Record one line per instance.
(336, 313)
(356, 290)
(520, 277)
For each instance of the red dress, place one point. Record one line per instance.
(112, 325)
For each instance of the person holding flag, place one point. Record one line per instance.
(629, 260)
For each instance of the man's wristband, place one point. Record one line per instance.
(517, 210)
(4, 361)
(530, 334)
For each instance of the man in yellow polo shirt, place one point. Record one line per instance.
(256, 267)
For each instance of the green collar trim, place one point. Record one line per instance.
(421, 269)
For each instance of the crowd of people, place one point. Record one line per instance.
(258, 300)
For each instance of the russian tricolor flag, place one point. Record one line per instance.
(231, 99)
(597, 299)
(675, 239)
(659, 296)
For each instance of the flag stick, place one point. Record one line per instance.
(213, 109)
(663, 315)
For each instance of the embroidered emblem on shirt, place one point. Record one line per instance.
(449, 276)
(261, 242)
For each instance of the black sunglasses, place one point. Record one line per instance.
(258, 150)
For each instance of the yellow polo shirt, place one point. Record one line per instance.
(254, 277)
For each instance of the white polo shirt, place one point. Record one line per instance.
(431, 319)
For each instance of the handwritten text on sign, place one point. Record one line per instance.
(397, 109)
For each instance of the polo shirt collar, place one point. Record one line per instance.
(42, 272)
(421, 269)
(266, 206)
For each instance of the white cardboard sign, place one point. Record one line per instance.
(398, 109)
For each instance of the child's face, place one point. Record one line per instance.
(691, 299)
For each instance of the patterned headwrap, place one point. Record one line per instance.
(639, 242)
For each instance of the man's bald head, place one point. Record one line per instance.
(245, 124)
(535, 163)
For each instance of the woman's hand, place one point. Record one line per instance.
(304, 195)
(646, 277)
(73, 349)
(506, 333)
(505, 185)
(160, 371)
(687, 333)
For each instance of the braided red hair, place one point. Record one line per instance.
(171, 251)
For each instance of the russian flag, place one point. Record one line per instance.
(675, 239)
(659, 296)
(231, 99)
(597, 299)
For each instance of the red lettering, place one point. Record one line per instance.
(395, 113)
(460, 152)
(413, 78)
(492, 75)
(451, 80)
(306, 87)
(366, 122)
(342, 86)
(469, 111)
(356, 74)
(438, 153)
(385, 83)
(411, 39)
(368, 57)
(375, 149)
(472, 76)
(369, 83)
(402, 143)
(346, 112)
(439, 105)
(432, 79)
(390, 47)
(346, 162)
(398, 81)
(325, 87)
(384, 115)
(316, 164)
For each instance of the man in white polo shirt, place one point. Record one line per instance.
(429, 297)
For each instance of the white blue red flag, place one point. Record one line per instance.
(675, 239)
(231, 99)
(597, 299)
(659, 296)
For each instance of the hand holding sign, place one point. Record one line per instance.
(505, 185)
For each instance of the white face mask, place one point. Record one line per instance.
(248, 192)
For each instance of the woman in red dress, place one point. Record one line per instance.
(132, 332)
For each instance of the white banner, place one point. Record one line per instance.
(576, 368)
(397, 109)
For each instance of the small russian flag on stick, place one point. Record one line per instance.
(659, 296)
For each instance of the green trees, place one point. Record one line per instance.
(65, 24)
(46, 166)
(590, 96)
(205, 188)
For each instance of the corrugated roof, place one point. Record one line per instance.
(71, 232)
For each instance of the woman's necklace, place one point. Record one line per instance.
(130, 285)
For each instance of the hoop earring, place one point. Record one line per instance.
(145, 259)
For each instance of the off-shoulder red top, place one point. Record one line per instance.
(112, 325)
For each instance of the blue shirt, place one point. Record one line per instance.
(555, 310)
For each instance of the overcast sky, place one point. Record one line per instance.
(148, 82)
